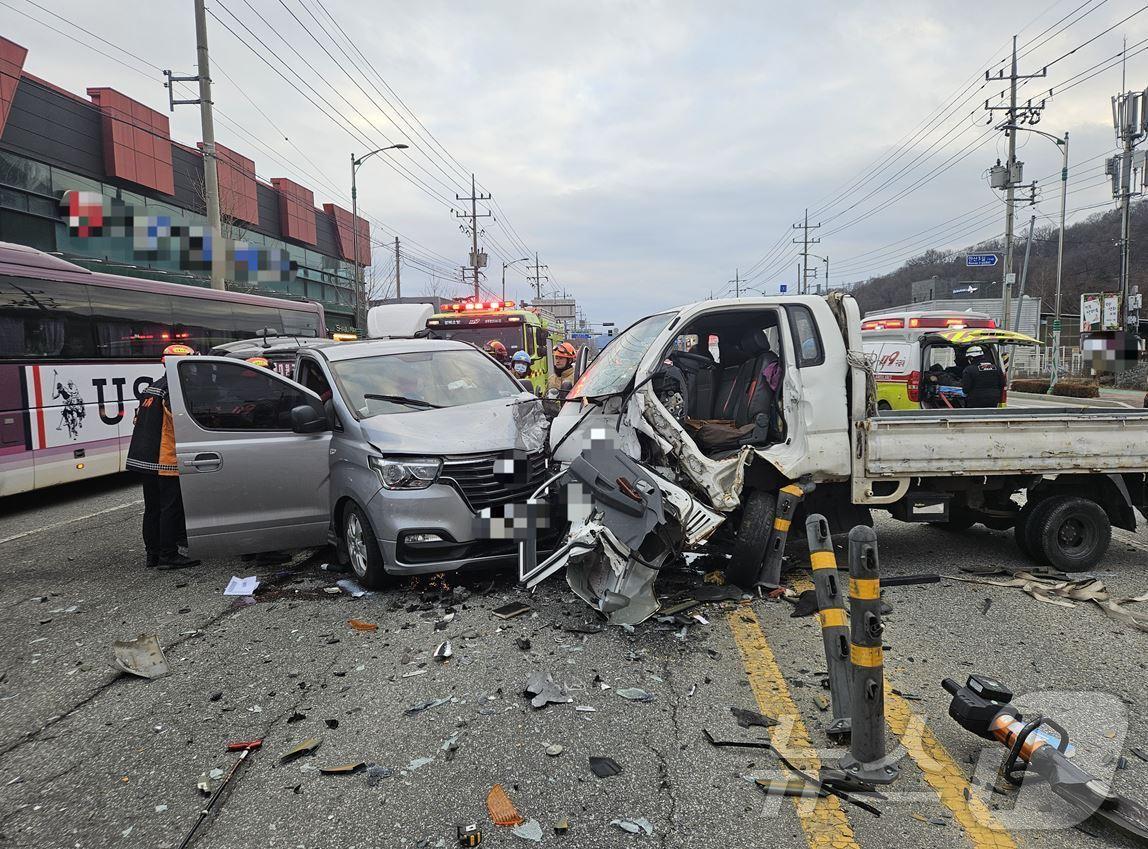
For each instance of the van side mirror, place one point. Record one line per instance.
(305, 419)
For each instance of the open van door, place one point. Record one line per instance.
(253, 452)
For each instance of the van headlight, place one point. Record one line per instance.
(406, 472)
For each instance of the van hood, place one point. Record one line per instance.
(501, 425)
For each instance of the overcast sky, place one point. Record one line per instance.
(646, 150)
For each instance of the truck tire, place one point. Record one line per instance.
(752, 538)
(1024, 532)
(1073, 533)
(363, 548)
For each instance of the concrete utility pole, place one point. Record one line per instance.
(477, 260)
(805, 242)
(736, 282)
(1130, 122)
(398, 271)
(1013, 171)
(538, 277)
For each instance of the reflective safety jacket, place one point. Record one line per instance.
(152, 449)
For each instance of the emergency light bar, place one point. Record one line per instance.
(952, 323)
(472, 306)
(884, 324)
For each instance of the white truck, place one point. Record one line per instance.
(730, 400)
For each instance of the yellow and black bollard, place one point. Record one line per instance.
(787, 501)
(867, 759)
(834, 626)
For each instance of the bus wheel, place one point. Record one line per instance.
(1073, 533)
(753, 534)
(363, 548)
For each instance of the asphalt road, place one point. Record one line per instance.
(92, 758)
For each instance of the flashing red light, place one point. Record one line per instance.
(952, 323)
(883, 324)
(913, 387)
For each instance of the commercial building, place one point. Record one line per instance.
(53, 142)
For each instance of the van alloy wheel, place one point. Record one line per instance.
(356, 545)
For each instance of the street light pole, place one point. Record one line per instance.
(360, 295)
(507, 265)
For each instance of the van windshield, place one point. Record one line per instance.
(422, 380)
(613, 369)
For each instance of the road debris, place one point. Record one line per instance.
(530, 830)
(362, 625)
(142, 656)
(501, 809)
(543, 689)
(418, 763)
(635, 825)
(523, 643)
(443, 651)
(555, 750)
(303, 747)
(604, 767)
(798, 789)
(418, 708)
(469, 835)
(242, 586)
(208, 781)
(562, 826)
(806, 605)
(351, 588)
(376, 773)
(751, 718)
(635, 694)
(245, 748)
(1065, 593)
(509, 611)
(343, 769)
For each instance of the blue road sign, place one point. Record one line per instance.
(580, 336)
(784, 288)
(981, 260)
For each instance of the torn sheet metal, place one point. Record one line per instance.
(142, 656)
(531, 426)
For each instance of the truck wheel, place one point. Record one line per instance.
(1073, 533)
(363, 548)
(752, 537)
(1024, 532)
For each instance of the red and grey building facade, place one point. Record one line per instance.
(53, 142)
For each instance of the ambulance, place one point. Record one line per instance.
(919, 355)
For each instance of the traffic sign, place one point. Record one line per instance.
(580, 336)
(981, 260)
(784, 288)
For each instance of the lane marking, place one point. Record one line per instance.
(983, 830)
(823, 820)
(70, 521)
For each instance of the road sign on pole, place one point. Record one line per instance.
(981, 260)
(784, 288)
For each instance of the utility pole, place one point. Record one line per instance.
(805, 242)
(736, 283)
(1010, 176)
(477, 260)
(538, 277)
(1130, 122)
(207, 125)
(398, 271)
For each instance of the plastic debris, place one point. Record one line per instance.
(635, 694)
(585, 709)
(331, 723)
(469, 835)
(501, 809)
(332, 591)
(751, 718)
(509, 611)
(604, 767)
(635, 825)
(715, 577)
(416, 709)
(530, 830)
(806, 605)
(303, 747)
(774, 787)
(362, 625)
(562, 826)
(543, 689)
(376, 773)
(418, 763)
(350, 587)
(208, 781)
(342, 769)
(443, 651)
(414, 672)
(142, 656)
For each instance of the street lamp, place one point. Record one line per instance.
(1062, 143)
(824, 259)
(507, 265)
(360, 295)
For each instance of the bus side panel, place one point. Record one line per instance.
(81, 417)
(17, 473)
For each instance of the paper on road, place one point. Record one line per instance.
(241, 586)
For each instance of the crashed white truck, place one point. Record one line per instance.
(688, 424)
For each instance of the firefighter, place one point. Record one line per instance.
(982, 380)
(564, 356)
(497, 350)
(152, 455)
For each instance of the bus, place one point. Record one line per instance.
(519, 329)
(77, 348)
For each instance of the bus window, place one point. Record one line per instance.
(131, 324)
(250, 321)
(203, 323)
(44, 319)
(299, 322)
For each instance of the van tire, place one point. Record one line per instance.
(1073, 533)
(753, 534)
(362, 547)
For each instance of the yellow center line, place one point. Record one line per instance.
(983, 829)
(823, 820)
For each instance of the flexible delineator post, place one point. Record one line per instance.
(867, 758)
(787, 501)
(834, 625)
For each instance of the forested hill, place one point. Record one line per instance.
(1091, 263)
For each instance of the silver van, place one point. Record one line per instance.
(394, 450)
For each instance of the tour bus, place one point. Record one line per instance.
(919, 355)
(519, 329)
(78, 347)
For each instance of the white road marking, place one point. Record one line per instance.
(70, 521)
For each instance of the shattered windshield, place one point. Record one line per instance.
(422, 380)
(613, 369)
